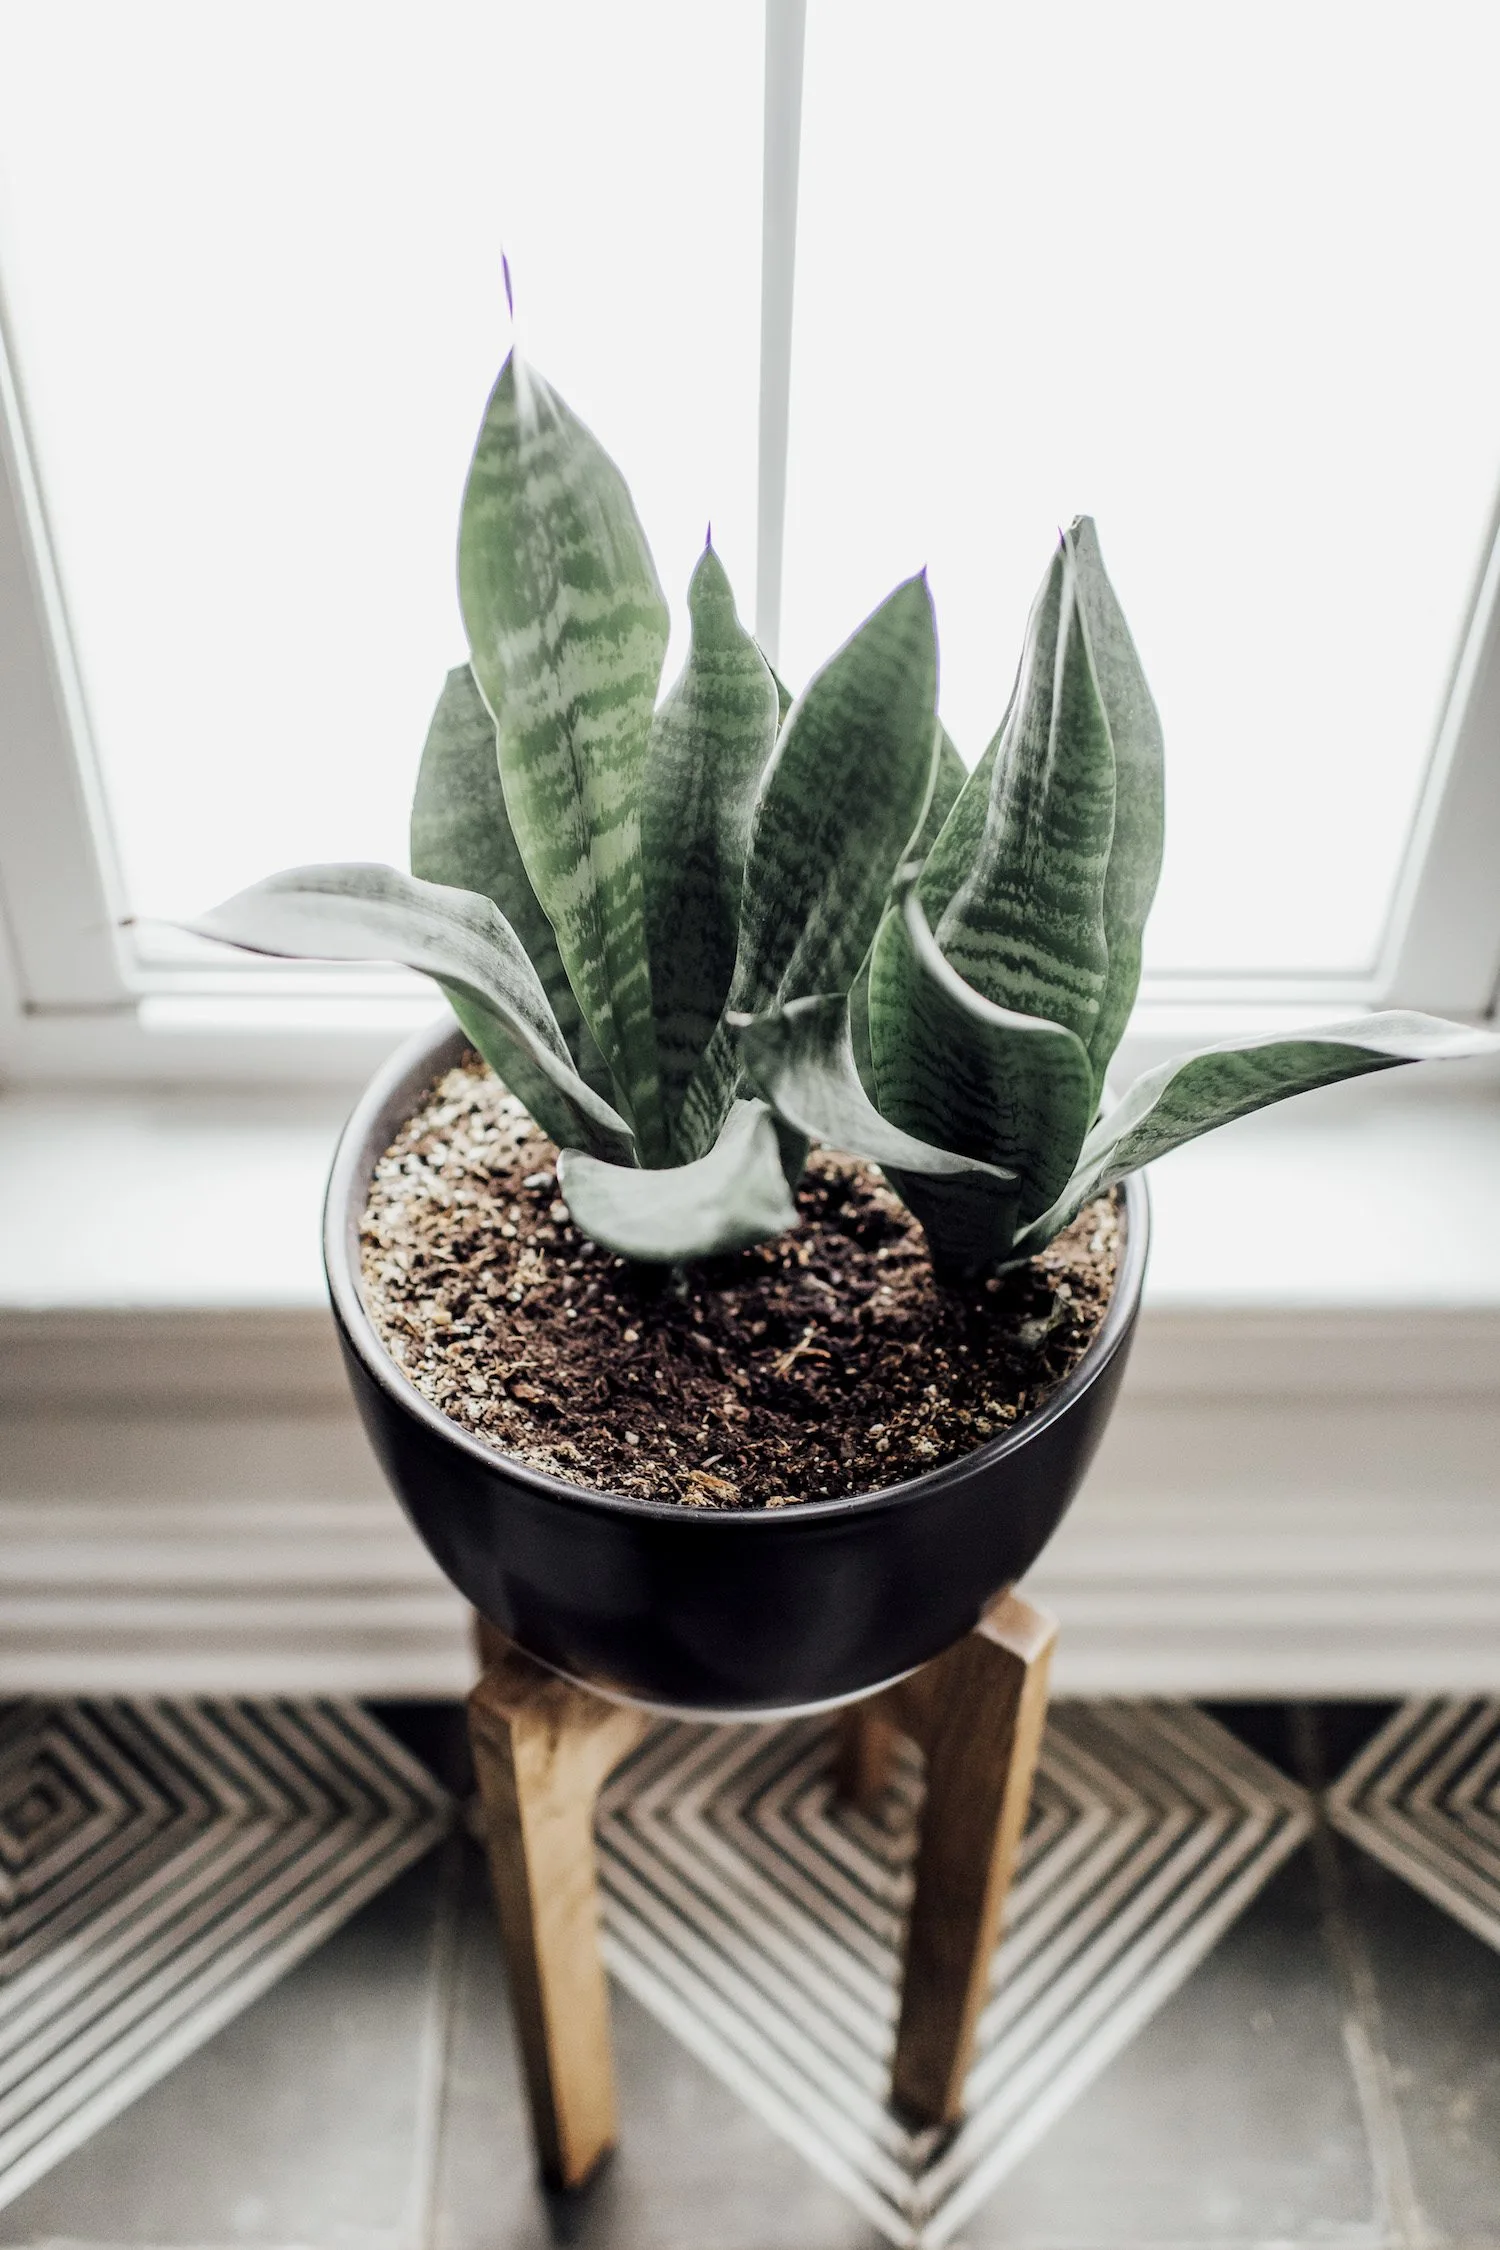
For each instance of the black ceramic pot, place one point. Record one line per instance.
(735, 1614)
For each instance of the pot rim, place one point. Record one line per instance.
(349, 1176)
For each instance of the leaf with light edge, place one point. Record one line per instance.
(1014, 886)
(843, 794)
(1136, 845)
(733, 1197)
(801, 1059)
(956, 1070)
(567, 632)
(948, 777)
(360, 912)
(461, 835)
(1180, 1100)
(708, 748)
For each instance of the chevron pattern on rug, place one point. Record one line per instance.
(761, 1922)
(1423, 1797)
(161, 1865)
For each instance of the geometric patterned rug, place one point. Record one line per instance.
(161, 1865)
(761, 1922)
(1424, 1798)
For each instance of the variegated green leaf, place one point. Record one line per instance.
(1136, 847)
(969, 1221)
(801, 1059)
(949, 774)
(952, 851)
(567, 632)
(360, 912)
(511, 1063)
(1014, 886)
(859, 1026)
(784, 696)
(948, 778)
(953, 1068)
(734, 1196)
(709, 744)
(1180, 1100)
(844, 793)
(461, 835)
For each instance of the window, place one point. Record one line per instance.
(257, 305)
(1216, 276)
(1211, 275)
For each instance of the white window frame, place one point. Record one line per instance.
(75, 1003)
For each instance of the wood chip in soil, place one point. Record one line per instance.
(828, 1362)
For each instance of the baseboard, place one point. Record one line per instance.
(1285, 1504)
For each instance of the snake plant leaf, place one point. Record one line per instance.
(1014, 886)
(952, 851)
(729, 1199)
(949, 774)
(859, 1026)
(461, 835)
(362, 912)
(1136, 846)
(844, 792)
(567, 632)
(708, 748)
(784, 696)
(801, 1059)
(969, 1221)
(953, 1068)
(842, 797)
(1180, 1100)
(948, 777)
(512, 1065)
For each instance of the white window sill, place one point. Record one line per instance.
(1300, 1492)
(1375, 1196)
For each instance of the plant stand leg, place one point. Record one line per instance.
(542, 1751)
(867, 1743)
(978, 1712)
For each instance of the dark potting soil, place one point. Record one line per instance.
(830, 1361)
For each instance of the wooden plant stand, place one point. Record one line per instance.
(544, 1748)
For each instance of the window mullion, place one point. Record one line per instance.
(1443, 949)
(61, 896)
(786, 22)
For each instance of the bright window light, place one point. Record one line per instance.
(252, 258)
(1222, 277)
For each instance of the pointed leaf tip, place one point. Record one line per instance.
(706, 752)
(842, 798)
(710, 580)
(1014, 887)
(1135, 734)
(567, 630)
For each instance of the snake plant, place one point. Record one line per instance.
(691, 936)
